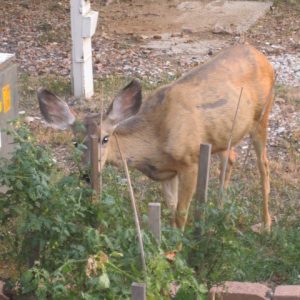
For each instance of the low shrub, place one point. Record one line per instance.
(67, 247)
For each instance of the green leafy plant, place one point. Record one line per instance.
(229, 249)
(65, 246)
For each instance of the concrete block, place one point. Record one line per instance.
(232, 290)
(287, 292)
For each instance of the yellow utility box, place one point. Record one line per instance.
(8, 99)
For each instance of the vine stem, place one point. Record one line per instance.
(228, 148)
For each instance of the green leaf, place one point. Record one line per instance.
(27, 277)
(104, 281)
(116, 254)
(28, 282)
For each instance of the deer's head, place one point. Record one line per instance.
(58, 115)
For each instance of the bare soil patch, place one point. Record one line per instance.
(174, 16)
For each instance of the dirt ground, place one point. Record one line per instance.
(151, 39)
(174, 17)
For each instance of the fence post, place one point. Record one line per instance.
(83, 26)
(154, 213)
(138, 291)
(202, 182)
(94, 165)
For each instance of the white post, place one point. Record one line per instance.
(83, 24)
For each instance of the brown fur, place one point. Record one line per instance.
(199, 108)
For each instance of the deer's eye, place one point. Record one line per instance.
(105, 140)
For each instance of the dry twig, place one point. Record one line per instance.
(133, 203)
(228, 149)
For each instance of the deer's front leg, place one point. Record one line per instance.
(187, 180)
(170, 191)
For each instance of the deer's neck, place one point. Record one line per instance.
(133, 137)
(141, 148)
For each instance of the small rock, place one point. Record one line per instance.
(108, 2)
(186, 30)
(144, 37)
(28, 119)
(176, 34)
(280, 130)
(219, 29)
(187, 5)
(277, 47)
(157, 37)
(280, 100)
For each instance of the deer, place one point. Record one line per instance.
(161, 135)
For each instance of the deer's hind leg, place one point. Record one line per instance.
(259, 138)
(231, 160)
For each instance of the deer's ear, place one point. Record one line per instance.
(55, 111)
(127, 103)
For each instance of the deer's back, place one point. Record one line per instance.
(200, 106)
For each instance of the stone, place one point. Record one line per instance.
(222, 29)
(287, 292)
(232, 290)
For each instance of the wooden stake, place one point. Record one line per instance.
(138, 291)
(202, 181)
(154, 212)
(101, 137)
(94, 165)
(132, 198)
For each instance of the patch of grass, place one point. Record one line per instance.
(110, 86)
(49, 34)
(292, 3)
(229, 250)
(28, 86)
(291, 94)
